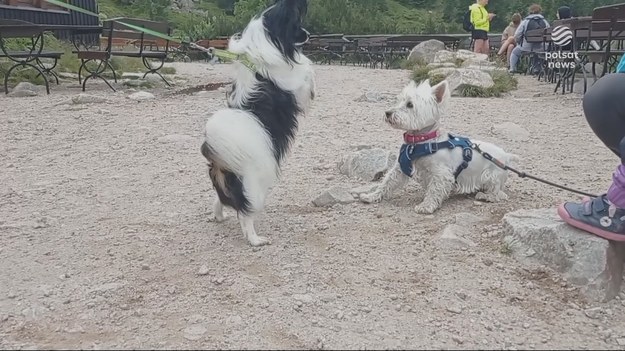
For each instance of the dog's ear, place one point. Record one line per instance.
(440, 91)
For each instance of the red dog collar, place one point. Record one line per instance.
(419, 138)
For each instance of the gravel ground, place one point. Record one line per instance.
(107, 238)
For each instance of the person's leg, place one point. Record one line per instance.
(504, 47)
(509, 53)
(515, 56)
(478, 46)
(604, 107)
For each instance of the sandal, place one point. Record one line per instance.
(596, 216)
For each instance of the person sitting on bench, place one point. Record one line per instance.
(535, 20)
(507, 38)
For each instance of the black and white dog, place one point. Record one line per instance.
(246, 143)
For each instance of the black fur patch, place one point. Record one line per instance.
(233, 195)
(277, 111)
(284, 25)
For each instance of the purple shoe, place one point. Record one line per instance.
(596, 216)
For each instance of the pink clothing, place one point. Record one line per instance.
(616, 193)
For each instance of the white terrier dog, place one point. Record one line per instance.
(443, 164)
(246, 143)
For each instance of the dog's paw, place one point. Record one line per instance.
(219, 218)
(370, 198)
(257, 241)
(425, 208)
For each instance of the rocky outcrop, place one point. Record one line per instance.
(540, 237)
(426, 51)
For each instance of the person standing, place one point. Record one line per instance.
(480, 18)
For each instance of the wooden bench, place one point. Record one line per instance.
(27, 57)
(147, 47)
(373, 51)
(326, 50)
(606, 27)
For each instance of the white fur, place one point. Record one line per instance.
(435, 172)
(238, 139)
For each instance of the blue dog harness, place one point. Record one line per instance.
(410, 152)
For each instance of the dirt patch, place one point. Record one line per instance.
(108, 242)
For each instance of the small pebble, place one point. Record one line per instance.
(203, 271)
(145, 267)
(454, 309)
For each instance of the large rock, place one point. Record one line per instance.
(474, 62)
(444, 56)
(470, 55)
(541, 237)
(368, 164)
(466, 76)
(426, 51)
(435, 65)
(467, 58)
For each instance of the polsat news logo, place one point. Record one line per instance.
(561, 59)
(561, 36)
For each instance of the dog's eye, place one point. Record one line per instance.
(409, 105)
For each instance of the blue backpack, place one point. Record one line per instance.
(466, 22)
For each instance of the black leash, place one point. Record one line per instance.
(525, 175)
